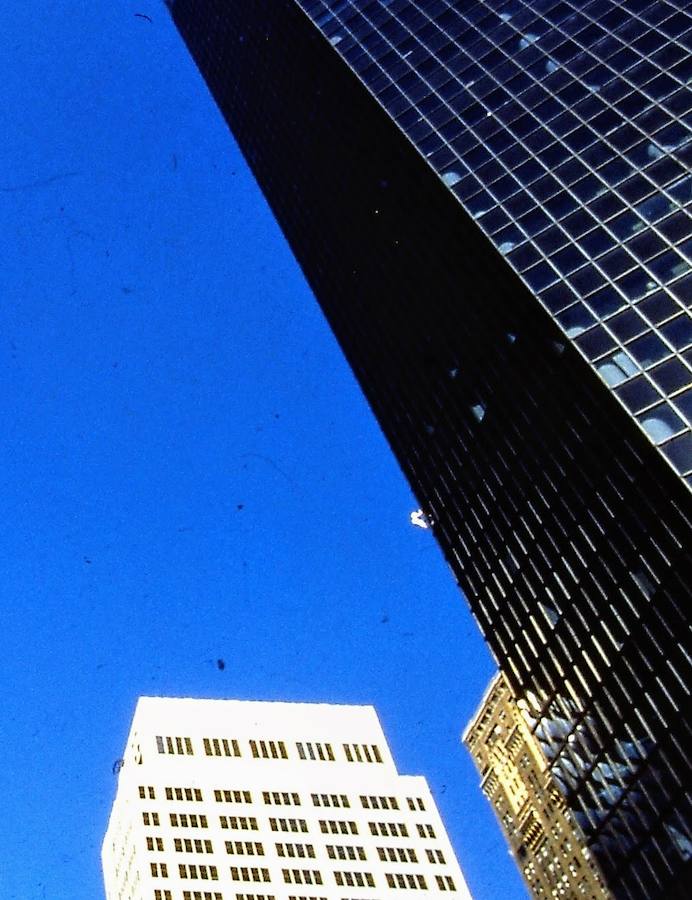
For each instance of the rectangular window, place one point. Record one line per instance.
(245, 848)
(397, 854)
(280, 798)
(301, 876)
(341, 851)
(407, 881)
(232, 796)
(336, 800)
(255, 897)
(245, 873)
(385, 829)
(239, 823)
(179, 745)
(250, 897)
(362, 753)
(354, 879)
(332, 826)
(295, 825)
(299, 851)
(371, 802)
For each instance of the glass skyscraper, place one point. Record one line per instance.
(491, 201)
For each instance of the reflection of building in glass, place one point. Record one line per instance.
(491, 203)
(547, 844)
(293, 800)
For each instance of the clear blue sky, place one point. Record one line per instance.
(188, 468)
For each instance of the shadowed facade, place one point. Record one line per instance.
(498, 379)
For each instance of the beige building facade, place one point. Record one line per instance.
(240, 800)
(543, 836)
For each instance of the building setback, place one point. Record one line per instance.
(238, 800)
(546, 842)
(490, 201)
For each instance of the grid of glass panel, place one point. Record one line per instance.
(565, 130)
(567, 531)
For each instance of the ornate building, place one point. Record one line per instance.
(546, 842)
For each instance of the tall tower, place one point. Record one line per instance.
(237, 800)
(490, 200)
(545, 840)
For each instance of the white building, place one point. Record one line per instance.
(237, 800)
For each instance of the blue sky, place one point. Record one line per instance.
(188, 469)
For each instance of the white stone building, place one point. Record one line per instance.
(239, 800)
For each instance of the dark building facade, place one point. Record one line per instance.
(491, 202)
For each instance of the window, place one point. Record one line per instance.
(315, 751)
(331, 826)
(243, 873)
(205, 895)
(339, 851)
(294, 825)
(415, 803)
(338, 800)
(232, 796)
(450, 178)
(280, 799)
(301, 851)
(245, 848)
(147, 792)
(435, 856)
(354, 879)
(362, 753)
(661, 423)
(301, 876)
(268, 750)
(158, 870)
(445, 883)
(162, 895)
(176, 745)
(206, 873)
(221, 747)
(370, 802)
(386, 829)
(150, 818)
(398, 880)
(239, 823)
(182, 820)
(154, 843)
(188, 845)
(425, 831)
(257, 897)
(183, 794)
(478, 411)
(397, 854)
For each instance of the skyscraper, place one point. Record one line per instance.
(546, 842)
(218, 798)
(491, 203)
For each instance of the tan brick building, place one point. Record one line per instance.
(544, 838)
